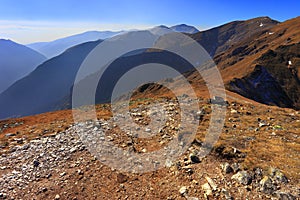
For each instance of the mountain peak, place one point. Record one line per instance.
(161, 26)
(184, 28)
(8, 42)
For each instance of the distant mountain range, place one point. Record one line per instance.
(51, 83)
(56, 47)
(253, 57)
(16, 61)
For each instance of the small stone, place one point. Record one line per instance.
(226, 168)
(168, 163)
(183, 190)
(72, 150)
(63, 174)
(226, 194)
(277, 175)
(211, 183)
(266, 185)
(148, 130)
(36, 163)
(3, 167)
(207, 190)
(242, 177)
(57, 197)
(194, 158)
(121, 178)
(10, 134)
(262, 124)
(144, 150)
(3, 195)
(280, 177)
(48, 176)
(258, 173)
(235, 167)
(25, 146)
(285, 196)
(232, 111)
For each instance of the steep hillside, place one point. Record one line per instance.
(273, 81)
(219, 39)
(48, 83)
(265, 67)
(16, 61)
(253, 57)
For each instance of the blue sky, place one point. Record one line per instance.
(28, 21)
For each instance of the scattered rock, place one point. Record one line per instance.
(226, 194)
(148, 130)
(121, 178)
(262, 124)
(266, 185)
(285, 196)
(235, 167)
(219, 101)
(258, 173)
(211, 183)
(277, 175)
(79, 172)
(183, 190)
(232, 111)
(36, 163)
(229, 152)
(226, 168)
(3, 195)
(72, 150)
(194, 158)
(63, 174)
(10, 134)
(243, 177)
(57, 197)
(3, 167)
(207, 190)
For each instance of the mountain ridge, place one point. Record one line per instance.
(58, 46)
(16, 62)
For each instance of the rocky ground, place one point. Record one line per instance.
(256, 157)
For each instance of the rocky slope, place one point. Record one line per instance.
(42, 157)
(254, 61)
(218, 40)
(273, 81)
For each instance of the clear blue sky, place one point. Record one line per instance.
(32, 20)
